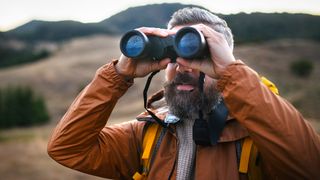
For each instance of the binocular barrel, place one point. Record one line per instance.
(188, 43)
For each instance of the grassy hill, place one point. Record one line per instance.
(60, 77)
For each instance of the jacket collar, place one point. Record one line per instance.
(233, 130)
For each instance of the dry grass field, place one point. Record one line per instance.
(60, 78)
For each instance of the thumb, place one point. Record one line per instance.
(189, 64)
(206, 66)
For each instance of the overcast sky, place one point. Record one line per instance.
(17, 12)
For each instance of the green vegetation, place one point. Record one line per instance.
(301, 68)
(19, 107)
(10, 57)
(257, 27)
(1, 35)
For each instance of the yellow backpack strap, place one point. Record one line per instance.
(148, 144)
(249, 162)
(245, 155)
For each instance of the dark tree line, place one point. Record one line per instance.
(10, 56)
(20, 107)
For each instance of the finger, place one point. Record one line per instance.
(172, 66)
(172, 31)
(203, 65)
(154, 31)
(158, 65)
(123, 57)
(210, 34)
(171, 71)
(206, 30)
(164, 62)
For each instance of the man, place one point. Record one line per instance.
(288, 146)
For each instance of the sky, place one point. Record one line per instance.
(14, 13)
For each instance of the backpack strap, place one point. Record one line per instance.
(255, 165)
(270, 85)
(149, 139)
(245, 155)
(248, 160)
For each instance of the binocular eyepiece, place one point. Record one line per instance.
(188, 43)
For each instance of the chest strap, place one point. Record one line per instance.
(149, 142)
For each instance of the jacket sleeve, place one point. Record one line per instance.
(83, 142)
(288, 144)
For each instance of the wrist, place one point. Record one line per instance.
(122, 73)
(220, 68)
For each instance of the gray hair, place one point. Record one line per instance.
(194, 15)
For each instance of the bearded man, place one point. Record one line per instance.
(289, 148)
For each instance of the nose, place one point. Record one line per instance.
(174, 68)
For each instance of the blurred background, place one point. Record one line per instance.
(50, 50)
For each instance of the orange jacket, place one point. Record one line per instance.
(289, 146)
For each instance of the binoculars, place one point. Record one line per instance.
(188, 43)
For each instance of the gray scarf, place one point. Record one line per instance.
(187, 149)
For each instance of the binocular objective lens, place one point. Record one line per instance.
(134, 46)
(188, 44)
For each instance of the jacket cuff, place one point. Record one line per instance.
(225, 77)
(109, 72)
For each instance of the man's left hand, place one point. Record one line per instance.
(220, 53)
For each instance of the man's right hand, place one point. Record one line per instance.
(132, 68)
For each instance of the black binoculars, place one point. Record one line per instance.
(188, 43)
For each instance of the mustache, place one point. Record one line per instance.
(182, 78)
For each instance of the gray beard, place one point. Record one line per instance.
(186, 104)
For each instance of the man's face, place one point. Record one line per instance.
(182, 92)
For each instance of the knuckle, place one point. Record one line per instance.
(202, 25)
(219, 37)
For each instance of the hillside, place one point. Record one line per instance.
(154, 15)
(60, 78)
(246, 27)
(259, 27)
(37, 30)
